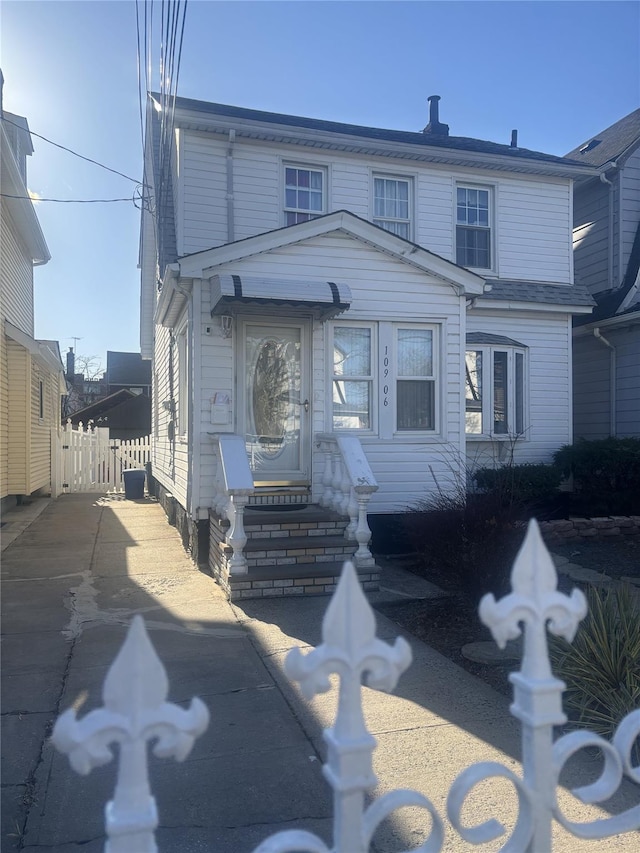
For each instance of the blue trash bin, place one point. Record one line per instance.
(133, 484)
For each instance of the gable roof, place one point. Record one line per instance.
(197, 264)
(615, 143)
(318, 133)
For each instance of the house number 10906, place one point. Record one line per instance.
(385, 390)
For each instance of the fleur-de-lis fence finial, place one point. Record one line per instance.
(351, 650)
(135, 711)
(533, 606)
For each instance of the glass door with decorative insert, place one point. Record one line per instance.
(274, 401)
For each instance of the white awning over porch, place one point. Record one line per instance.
(325, 298)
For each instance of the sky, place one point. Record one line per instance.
(559, 72)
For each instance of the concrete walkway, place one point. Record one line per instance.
(71, 581)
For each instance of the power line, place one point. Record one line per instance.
(70, 151)
(70, 200)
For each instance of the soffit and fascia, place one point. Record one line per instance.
(451, 151)
(21, 209)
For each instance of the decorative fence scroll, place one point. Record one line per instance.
(135, 711)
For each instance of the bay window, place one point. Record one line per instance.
(494, 386)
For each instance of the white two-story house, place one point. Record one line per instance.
(342, 319)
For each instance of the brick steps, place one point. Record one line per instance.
(289, 552)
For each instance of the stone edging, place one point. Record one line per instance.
(563, 530)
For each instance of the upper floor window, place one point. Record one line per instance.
(391, 205)
(473, 227)
(494, 389)
(304, 194)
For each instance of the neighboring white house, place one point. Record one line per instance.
(606, 344)
(357, 306)
(31, 371)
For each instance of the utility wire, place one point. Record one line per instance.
(70, 200)
(75, 153)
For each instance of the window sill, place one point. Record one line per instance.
(488, 437)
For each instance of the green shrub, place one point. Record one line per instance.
(526, 484)
(606, 475)
(601, 668)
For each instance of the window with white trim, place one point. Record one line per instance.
(304, 193)
(384, 377)
(473, 227)
(415, 379)
(352, 377)
(392, 205)
(495, 390)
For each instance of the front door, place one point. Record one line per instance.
(274, 401)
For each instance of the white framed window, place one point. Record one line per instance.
(305, 189)
(40, 399)
(384, 377)
(495, 390)
(392, 204)
(352, 380)
(415, 379)
(473, 226)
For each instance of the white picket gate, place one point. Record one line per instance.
(90, 461)
(136, 711)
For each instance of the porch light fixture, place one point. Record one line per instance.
(226, 325)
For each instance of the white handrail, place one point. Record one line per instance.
(234, 484)
(348, 483)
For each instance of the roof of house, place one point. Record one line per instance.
(421, 138)
(614, 143)
(624, 299)
(127, 368)
(97, 410)
(539, 291)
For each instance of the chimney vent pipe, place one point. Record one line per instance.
(435, 126)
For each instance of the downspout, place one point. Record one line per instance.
(230, 210)
(612, 380)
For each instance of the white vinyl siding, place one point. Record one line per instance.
(532, 215)
(382, 288)
(170, 457)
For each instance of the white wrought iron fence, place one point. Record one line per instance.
(91, 461)
(136, 711)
